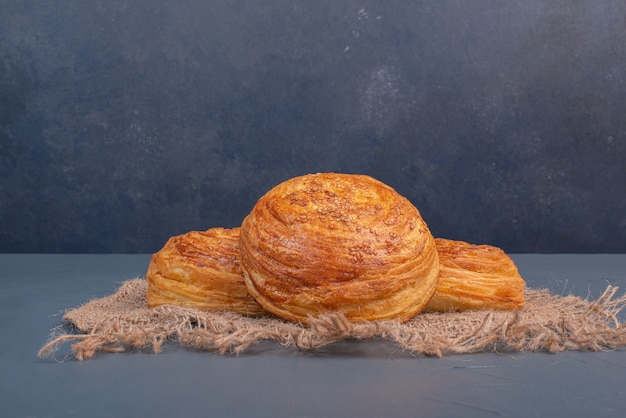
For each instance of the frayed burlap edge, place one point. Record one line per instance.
(551, 323)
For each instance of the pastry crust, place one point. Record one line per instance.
(338, 243)
(201, 269)
(475, 277)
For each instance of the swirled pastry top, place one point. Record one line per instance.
(333, 242)
(201, 269)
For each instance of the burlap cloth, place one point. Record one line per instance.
(552, 323)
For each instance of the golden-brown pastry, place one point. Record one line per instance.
(338, 243)
(201, 269)
(475, 277)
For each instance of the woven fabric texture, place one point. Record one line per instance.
(553, 323)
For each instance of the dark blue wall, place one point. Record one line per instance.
(125, 122)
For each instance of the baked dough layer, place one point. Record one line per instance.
(475, 277)
(201, 269)
(344, 243)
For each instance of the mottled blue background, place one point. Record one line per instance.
(125, 122)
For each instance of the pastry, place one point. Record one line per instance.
(342, 243)
(475, 277)
(201, 269)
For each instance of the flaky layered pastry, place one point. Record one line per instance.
(201, 269)
(338, 243)
(475, 277)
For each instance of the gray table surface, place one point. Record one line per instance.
(356, 379)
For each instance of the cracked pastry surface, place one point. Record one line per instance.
(201, 269)
(344, 243)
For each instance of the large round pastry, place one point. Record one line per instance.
(344, 243)
(201, 269)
